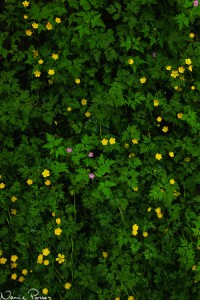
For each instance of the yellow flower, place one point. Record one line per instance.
(25, 17)
(24, 271)
(165, 129)
(45, 251)
(47, 182)
(14, 276)
(21, 279)
(25, 3)
(193, 87)
(58, 20)
(35, 25)
(194, 268)
(145, 234)
(37, 73)
(135, 141)
(14, 258)
(149, 209)
(159, 215)
(176, 194)
(188, 61)
(67, 286)
(13, 265)
(105, 254)
(46, 262)
(60, 259)
(40, 259)
(132, 155)
(135, 189)
(131, 298)
(35, 53)
(174, 73)
(126, 145)
(143, 79)
(112, 141)
(155, 102)
(77, 80)
(46, 173)
(40, 61)
(29, 181)
(171, 154)
(58, 221)
(51, 72)
(168, 68)
(29, 32)
(158, 210)
(190, 68)
(83, 101)
(130, 61)
(134, 232)
(117, 298)
(159, 119)
(58, 231)
(13, 211)
(192, 35)
(3, 260)
(2, 185)
(104, 142)
(69, 108)
(49, 26)
(172, 181)
(54, 56)
(53, 214)
(135, 227)
(181, 69)
(158, 156)
(179, 115)
(87, 114)
(45, 291)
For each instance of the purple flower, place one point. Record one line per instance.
(91, 154)
(69, 150)
(91, 175)
(196, 2)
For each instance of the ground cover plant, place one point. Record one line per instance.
(100, 150)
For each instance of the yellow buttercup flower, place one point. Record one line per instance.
(29, 181)
(190, 68)
(130, 61)
(192, 35)
(58, 20)
(155, 102)
(158, 156)
(46, 173)
(172, 181)
(37, 73)
(58, 221)
(174, 73)
(46, 262)
(193, 87)
(171, 154)
(29, 32)
(2, 185)
(168, 68)
(126, 145)
(135, 227)
(179, 115)
(40, 259)
(35, 25)
(45, 291)
(48, 182)
(25, 3)
(51, 72)
(24, 271)
(14, 276)
(104, 142)
(69, 108)
(40, 61)
(3, 260)
(134, 232)
(58, 231)
(13, 265)
(25, 17)
(14, 258)
(145, 234)
(21, 279)
(77, 80)
(181, 69)
(49, 26)
(53, 214)
(159, 215)
(45, 251)
(67, 286)
(131, 298)
(105, 254)
(159, 119)
(135, 189)
(60, 259)
(165, 129)
(112, 141)
(158, 210)
(143, 80)
(13, 211)
(149, 209)
(35, 53)
(87, 114)
(83, 101)
(188, 61)
(135, 141)
(54, 56)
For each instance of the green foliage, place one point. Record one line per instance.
(100, 148)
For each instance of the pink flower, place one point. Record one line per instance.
(196, 3)
(91, 175)
(91, 154)
(69, 150)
